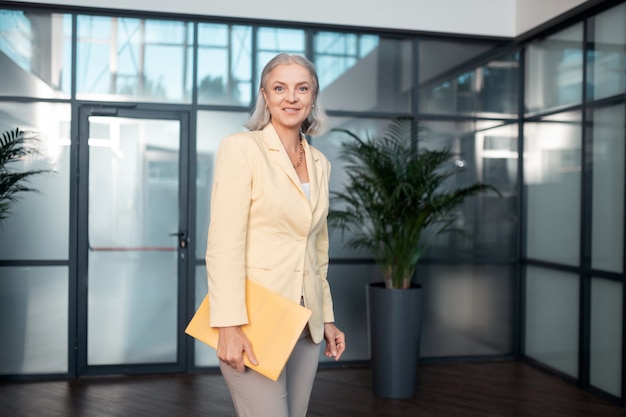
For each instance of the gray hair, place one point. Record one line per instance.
(317, 121)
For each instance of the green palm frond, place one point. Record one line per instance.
(394, 201)
(15, 145)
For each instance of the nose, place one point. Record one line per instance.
(292, 96)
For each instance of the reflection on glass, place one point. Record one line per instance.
(338, 53)
(272, 41)
(38, 226)
(35, 54)
(133, 59)
(488, 91)
(607, 53)
(499, 95)
(467, 310)
(33, 319)
(212, 127)
(605, 367)
(485, 152)
(133, 214)
(551, 323)
(607, 242)
(554, 70)
(364, 73)
(330, 145)
(448, 87)
(224, 64)
(552, 169)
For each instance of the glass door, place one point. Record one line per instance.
(132, 242)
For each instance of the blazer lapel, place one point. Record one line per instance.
(278, 153)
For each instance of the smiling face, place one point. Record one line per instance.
(289, 95)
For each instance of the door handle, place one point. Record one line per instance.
(182, 239)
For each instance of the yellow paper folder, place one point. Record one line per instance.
(274, 325)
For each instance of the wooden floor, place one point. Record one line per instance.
(495, 389)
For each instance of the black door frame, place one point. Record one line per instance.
(78, 323)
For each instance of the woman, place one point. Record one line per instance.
(268, 223)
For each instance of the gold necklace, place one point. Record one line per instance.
(300, 157)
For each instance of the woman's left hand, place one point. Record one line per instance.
(335, 341)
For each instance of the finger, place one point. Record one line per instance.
(341, 347)
(250, 354)
(331, 348)
(328, 351)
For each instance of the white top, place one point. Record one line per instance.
(307, 189)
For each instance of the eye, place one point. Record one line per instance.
(278, 88)
(304, 88)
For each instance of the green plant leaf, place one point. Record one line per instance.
(15, 145)
(394, 202)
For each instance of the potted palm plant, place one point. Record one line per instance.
(393, 204)
(14, 146)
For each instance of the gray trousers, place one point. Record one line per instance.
(257, 396)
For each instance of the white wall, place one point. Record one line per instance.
(532, 13)
(501, 18)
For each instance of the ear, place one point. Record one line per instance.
(264, 95)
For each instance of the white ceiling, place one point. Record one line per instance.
(499, 18)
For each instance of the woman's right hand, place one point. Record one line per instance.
(232, 345)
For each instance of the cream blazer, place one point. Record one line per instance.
(263, 227)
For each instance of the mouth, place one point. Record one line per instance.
(291, 110)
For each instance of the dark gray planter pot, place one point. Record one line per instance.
(395, 326)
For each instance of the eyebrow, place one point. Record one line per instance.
(284, 83)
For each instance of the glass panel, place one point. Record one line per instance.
(482, 318)
(224, 64)
(35, 54)
(205, 355)
(212, 127)
(607, 241)
(446, 86)
(607, 53)
(605, 370)
(133, 210)
(551, 322)
(554, 70)
(364, 72)
(487, 155)
(272, 41)
(133, 59)
(330, 145)
(498, 87)
(38, 226)
(552, 164)
(34, 320)
(484, 153)
(347, 283)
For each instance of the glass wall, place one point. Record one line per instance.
(211, 70)
(35, 54)
(607, 305)
(562, 181)
(554, 70)
(607, 238)
(606, 49)
(551, 322)
(574, 170)
(120, 58)
(30, 235)
(224, 67)
(552, 177)
(485, 151)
